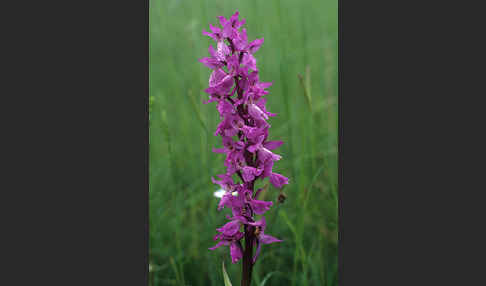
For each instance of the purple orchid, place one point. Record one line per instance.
(262, 238)
(235, 85)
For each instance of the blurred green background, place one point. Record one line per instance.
(300, 39)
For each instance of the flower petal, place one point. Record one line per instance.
(218, 150)
(222, 51)
(248, 173)
(235, 251)
(270, 145)
(278, 180)
(219, 244)
(255, 45)
(267, 239)
(260, 207)
(230, 228)
(216, 77)
(249, 61)
(211, 63)
(214, 29)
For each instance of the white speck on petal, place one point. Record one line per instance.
(219, 193)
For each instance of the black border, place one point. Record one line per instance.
(79, 74)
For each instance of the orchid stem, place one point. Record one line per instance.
(247, 257)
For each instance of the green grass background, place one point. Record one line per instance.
(300, 38)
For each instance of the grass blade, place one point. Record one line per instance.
(226, 279)
(196, 110)
(308, 99)
(267, 277)
(309, 188)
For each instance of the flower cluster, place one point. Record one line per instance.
(235, 86)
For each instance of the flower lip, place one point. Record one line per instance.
(217, 77)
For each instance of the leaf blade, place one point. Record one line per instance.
(226, 279)
(267, 277)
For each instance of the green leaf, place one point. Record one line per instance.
(267, 277)
(226, 279)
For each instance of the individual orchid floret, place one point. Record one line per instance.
(230, 146)
(220, 81)
(249, 173)
(211, 63)
(249, 61)
(255, 112)
(257, 88)
(225, 108)
(241, 41)
(221, 52)
(234, 20)
(218, 57)
(254, 46)
(277, 180)
(230, 27)
(226, 182)
(262, 238)
(234, 243)
(230, 229)
(215, 33)
(260, 207)
(263, 152)
(226, 128)
(235, 162)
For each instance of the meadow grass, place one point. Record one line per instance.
(300, 39)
